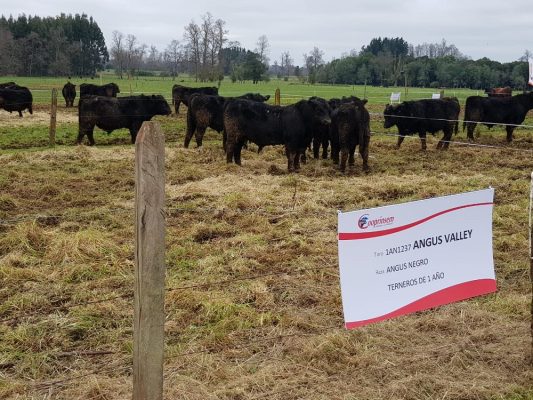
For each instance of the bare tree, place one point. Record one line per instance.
(313, 61)
(173, 57)
(192, 36)
(118, 52)
(203, 46)
(286, 63)
(262, 49)
(528, 55)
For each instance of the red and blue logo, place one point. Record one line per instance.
(363, 221)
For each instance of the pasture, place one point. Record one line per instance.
(253, 307)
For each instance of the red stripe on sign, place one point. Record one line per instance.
(367, 235)
(452, 294)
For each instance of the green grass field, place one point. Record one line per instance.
(290, 90)
(67, 243)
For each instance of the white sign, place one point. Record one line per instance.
(395, 97)
(403, 258)
(530, 73)
(435, 96)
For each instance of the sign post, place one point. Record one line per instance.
(398, 259)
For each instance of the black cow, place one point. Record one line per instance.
(69, 94)
(321, 134)
(499, 92)
(181, 94)
(16, 98)
(8, 85)
(267, 125)
(350, 127)
(110, 113)
(422, 116)
(109, 90)
(508, 111)
(208, 111)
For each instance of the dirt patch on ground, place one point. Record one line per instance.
(39, 116)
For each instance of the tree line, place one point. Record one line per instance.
(74, 45)
(62, 45)
(394, 62)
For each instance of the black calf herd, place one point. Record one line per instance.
(343, 123)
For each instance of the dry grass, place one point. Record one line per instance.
(278, 336)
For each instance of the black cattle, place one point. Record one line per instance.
(422, 116)
(508, 111)
(108, 90)
(208, 111)
(8, 85)
(267, 125)
(321, 134)
(181, 94)
(499, 92)
(350, 127)
(110, 113)
(16, 98)
(69, 94)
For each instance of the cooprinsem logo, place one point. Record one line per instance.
(365, 221)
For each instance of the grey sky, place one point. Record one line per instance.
(500, 30)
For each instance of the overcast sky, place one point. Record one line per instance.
(499, 30)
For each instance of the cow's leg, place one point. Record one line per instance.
(237, 152)
(400, 140)
(509, 130)
(470, 127)
(90, 135)
(423, 140)
(297, 159)
(85, 129)
(446, 139)
(325, 144)
(134, 129)
(230, 146)
(302, 157)
(291, 155)
(188, 137)
(20, 114)
(363, 150)
(199, 136)
(344, 157)
(316, 148)
(335, 153)
(79, 139)
(177, 106)
(351, 158)
(224, 139)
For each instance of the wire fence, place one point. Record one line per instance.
(117, 366)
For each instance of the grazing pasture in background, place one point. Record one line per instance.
(253, 306)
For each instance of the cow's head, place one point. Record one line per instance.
(111, 90)
(390, 113)
(158, 105)
(321, 110)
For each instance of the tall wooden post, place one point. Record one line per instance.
(53, 118)
(277, 97)
(531, 257)
(149, 317)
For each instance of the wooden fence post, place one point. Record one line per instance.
(277, 97)
(53, 118)
(149, 317)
